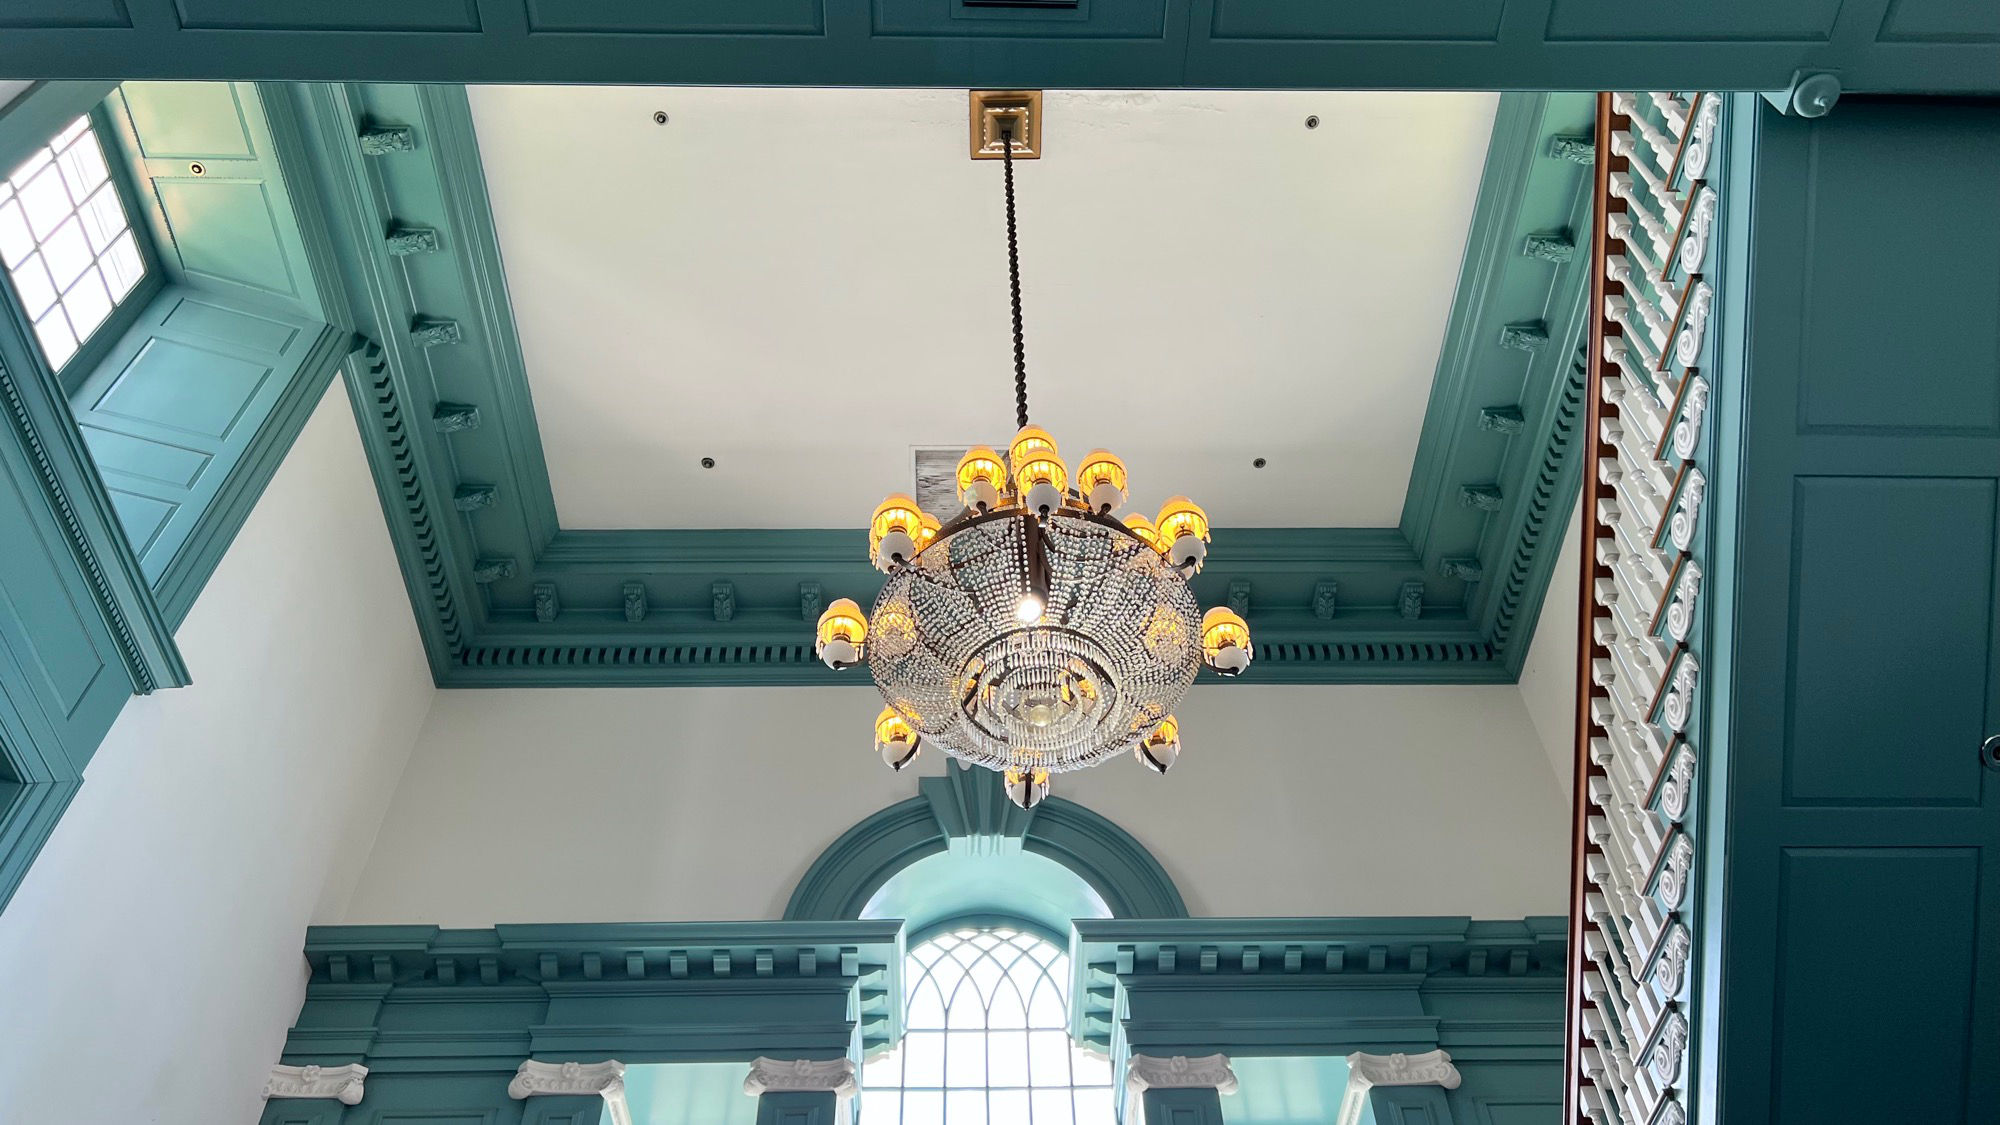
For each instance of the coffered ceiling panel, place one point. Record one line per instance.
(809, 285)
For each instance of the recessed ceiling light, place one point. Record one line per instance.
(708, 462)
(1258, 463)
(1312, 122)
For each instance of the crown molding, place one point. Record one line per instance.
(506, 597)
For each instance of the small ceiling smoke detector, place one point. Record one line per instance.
(998, 112)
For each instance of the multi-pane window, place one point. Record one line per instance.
(66, 241)
(986, 1040)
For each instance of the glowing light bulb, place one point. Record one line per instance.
(1029, 610)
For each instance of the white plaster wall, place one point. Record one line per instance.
(710, 803)
(1548, 677)
(149, 963)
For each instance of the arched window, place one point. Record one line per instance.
(986, 1039)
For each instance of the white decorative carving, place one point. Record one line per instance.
(1680, 693)
(1670, 968)
(1701, 222)
(1701, 144)
(1687, 510)
(534, 1079)
(1179, 1072)
(342, 1083)
(1680, 611)
(834, 1076)
(1674, 787)
(1431, 1068)
(1670, 1113)
(1694, 326)
(1669, 1048)
(1364, 1071)
(1674, 870)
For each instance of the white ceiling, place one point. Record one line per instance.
(807, 284)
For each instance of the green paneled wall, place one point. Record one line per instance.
(1859, 623)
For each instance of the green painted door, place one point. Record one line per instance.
(1860, 889)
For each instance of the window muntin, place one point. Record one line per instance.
(66, 240)
(986, 1039)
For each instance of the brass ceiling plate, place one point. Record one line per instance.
(994, 111)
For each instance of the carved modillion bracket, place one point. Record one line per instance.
(547, 605)
(452, 417)
(380, 140)
(635, 601)
(1410, 602)
(340, 1083)
(1324, 596)
(1180, 1072)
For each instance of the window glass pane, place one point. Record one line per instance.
(122, 266)
(1007, 1058)
(83, 167)
(15, 241)
(87, 303)
(58, 342)
(63, 230)
(967, 1107)
(67, 253)
(32, 285)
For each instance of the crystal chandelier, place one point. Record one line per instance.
(1035, 632)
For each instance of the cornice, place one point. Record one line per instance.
(506, 598)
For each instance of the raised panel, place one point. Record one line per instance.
(1890, 620)
(189, 120)
(684, 17)
(40, 623)
(160, 462)
(1694, 21)
(181, 387)
(64, 14)
(141, 516)
(330, 15)
(196, 317)
(1940, 21)
(1520, 1113)
(1089, 19)
(1902, 327)
(226, 230)
(1475, 21)
(1902, 1001)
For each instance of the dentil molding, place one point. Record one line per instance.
(342, 1083)
(1179, 1072)
(811, 1076)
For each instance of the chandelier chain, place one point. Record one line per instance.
(1014, 285)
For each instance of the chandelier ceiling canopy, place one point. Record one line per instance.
(1036, 632)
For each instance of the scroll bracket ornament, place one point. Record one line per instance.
(807, 1076)
(1366, 1071)
(341, 1083)
(536, 1079)
(1179, 1072)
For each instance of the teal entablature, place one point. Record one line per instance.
(1876, 45)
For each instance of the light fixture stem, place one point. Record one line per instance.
(1014, 284)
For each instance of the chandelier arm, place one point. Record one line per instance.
(1014, 285)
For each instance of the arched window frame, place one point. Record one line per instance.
(968, 1054)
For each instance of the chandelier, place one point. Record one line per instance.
(1035, 632)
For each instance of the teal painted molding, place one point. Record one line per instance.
(1949, 45)
(505, 597)
(961, 806)
(423, 1002)
(1485, 991)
